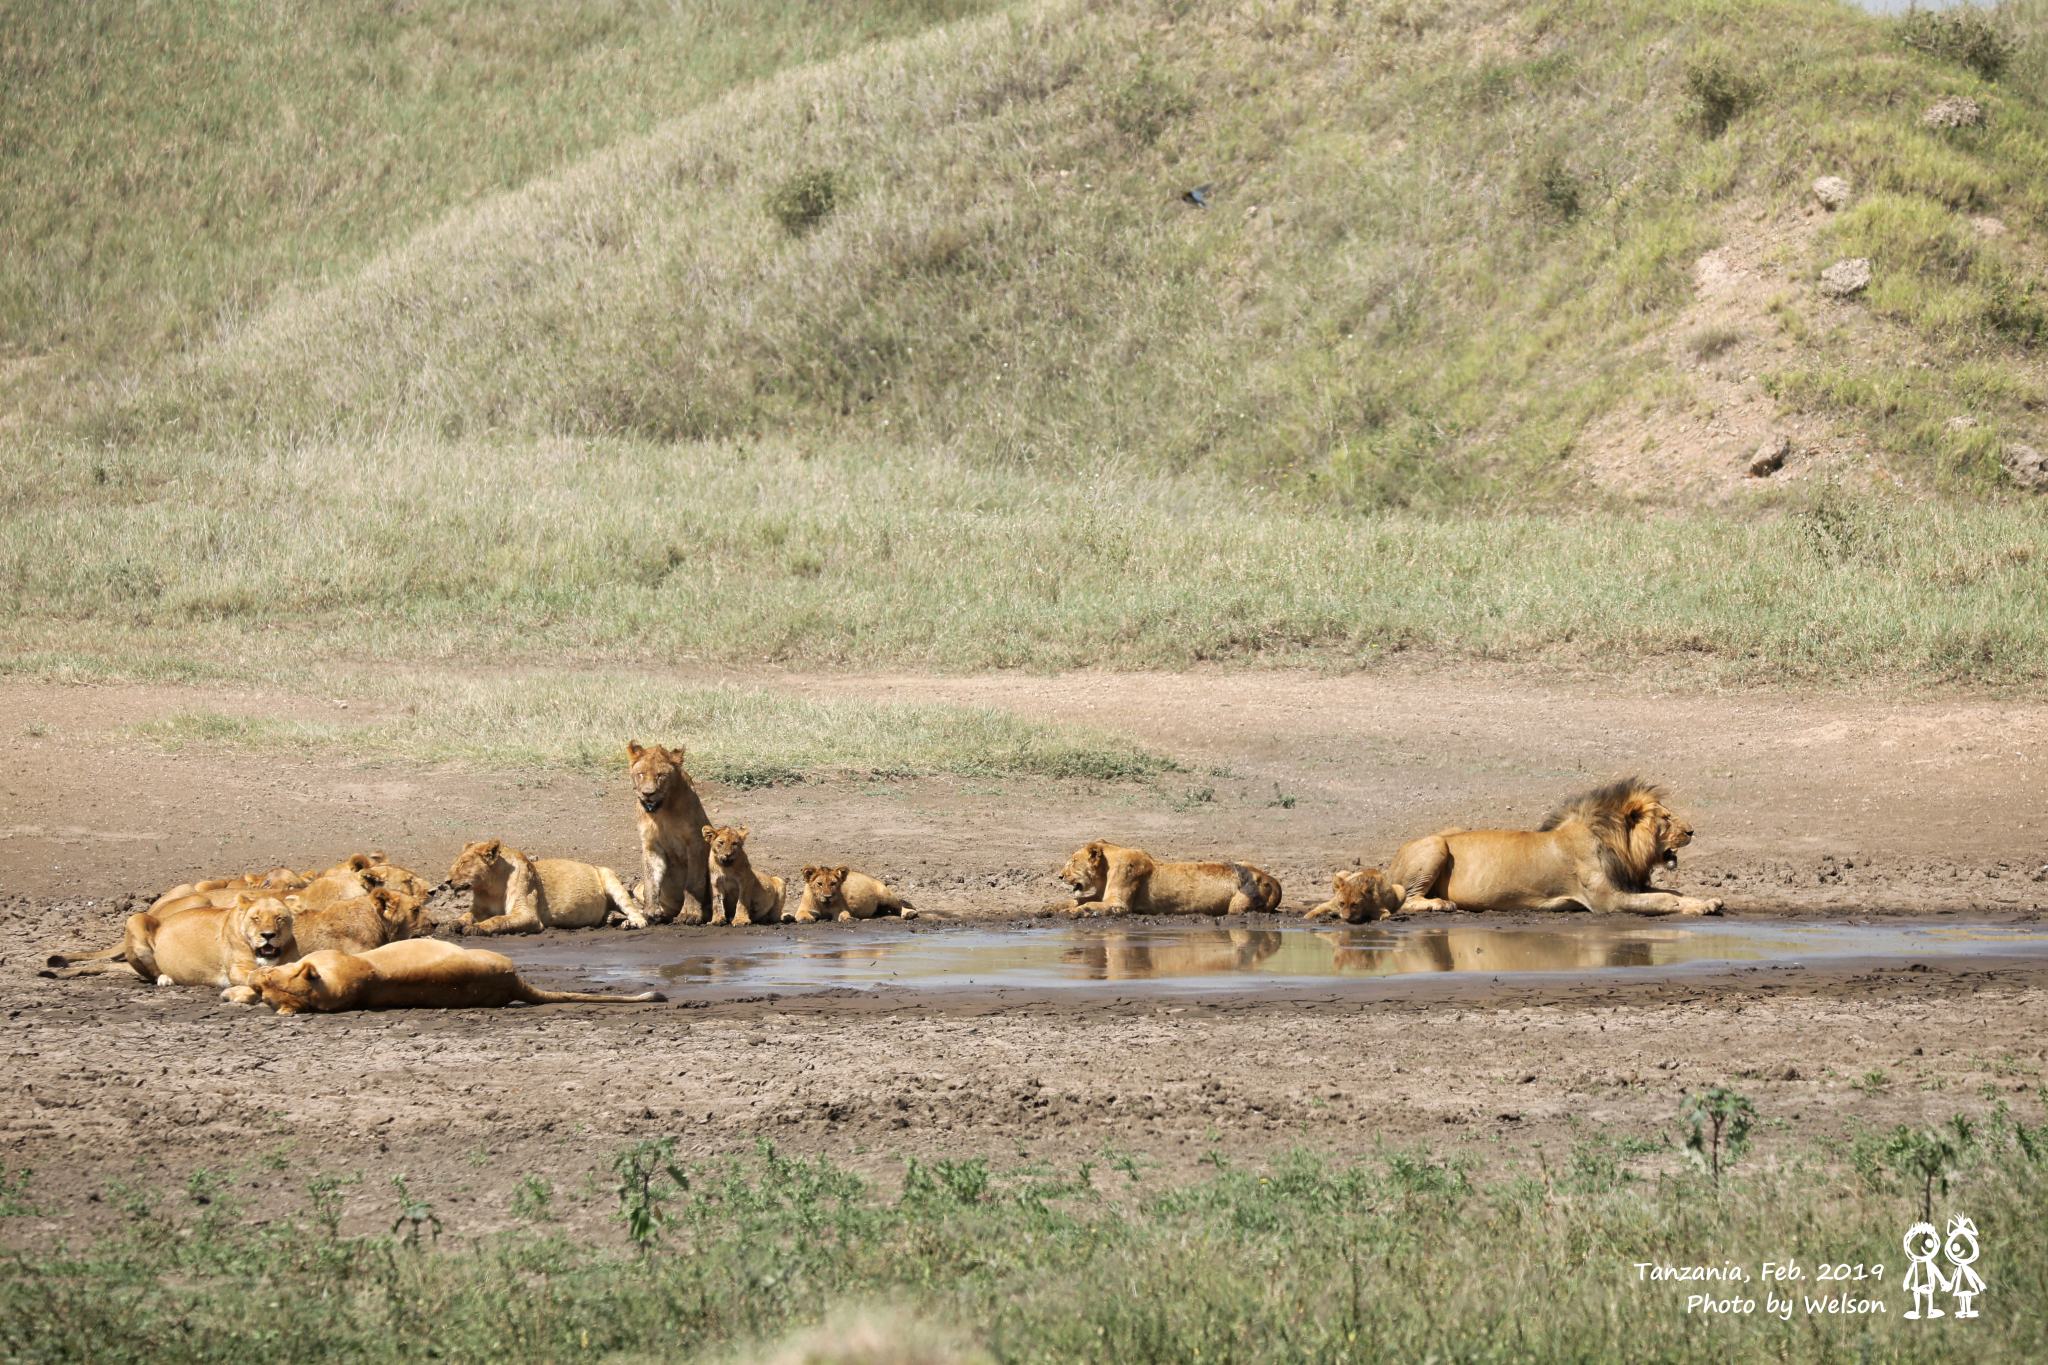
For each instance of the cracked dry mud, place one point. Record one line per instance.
(1807, 807)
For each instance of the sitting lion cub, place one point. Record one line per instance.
(1127, 881)
(212, 947)
(841, 893)
(513, 894)
(420, 973)
(737, 891)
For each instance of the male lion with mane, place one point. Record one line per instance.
(1594, 852)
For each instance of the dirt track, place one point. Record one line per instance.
(1806, 807)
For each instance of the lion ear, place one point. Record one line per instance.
(842, 869)
(490, 848)
(745, 832)
(675, 751)
(708, 832)
(810, 872)
(243, 900)
(293, 901)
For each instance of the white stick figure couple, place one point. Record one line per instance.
(1923, 1280)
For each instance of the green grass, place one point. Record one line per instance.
(1444, 237)
(1403, 1256)
(326, 560)
(742, 737)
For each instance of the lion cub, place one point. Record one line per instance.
(1357, 898)
(511, 893)
(841, 893)
(737, 891)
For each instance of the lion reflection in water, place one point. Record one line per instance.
(1202, 952)
(1482, 950)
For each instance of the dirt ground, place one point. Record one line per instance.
(1807, 807)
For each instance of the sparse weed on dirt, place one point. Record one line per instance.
(746, 737)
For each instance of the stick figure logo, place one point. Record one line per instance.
(1962, 1250)
(1924, 1279)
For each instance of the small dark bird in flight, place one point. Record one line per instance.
(1198, 196)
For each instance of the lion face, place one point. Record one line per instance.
(725, 843)
(288, 990)
(403, 916)
(655, 771)
(265, 928)
(477, 859)
(397, 879)
(1672, 835)
(823, 883)
(1361, 896)
(1087, 872)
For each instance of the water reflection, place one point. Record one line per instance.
(1363, 952)
(1193, 952)
(1203, 957)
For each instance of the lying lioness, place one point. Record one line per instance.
(420, 973)
(513, 894)
(359, 924)
(839, 893)
(212, 947)
(1127, 881)
(737, 891)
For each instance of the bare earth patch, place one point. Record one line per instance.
(1806, 806)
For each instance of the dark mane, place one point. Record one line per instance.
(1611, 813)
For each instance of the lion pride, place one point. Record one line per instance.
(1596, 852)
(419, 973)
(1128, 881)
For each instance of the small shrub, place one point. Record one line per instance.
(533, 1198)
(1927, 1156)
(1712, 341)
(804, 200)
(1559, 192)
(1147, 104)
(1717, 1120)
(648, 1177)
(1965, 35)
(1720, 94)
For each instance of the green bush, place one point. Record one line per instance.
(1720, 93)
(1965, 35)
(804, 200)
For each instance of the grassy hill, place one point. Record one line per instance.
(1442, 239)
(915, 354)
(171, 165)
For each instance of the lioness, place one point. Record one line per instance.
(1127, 881)
(673, 853)
(360, 923)
(513, 894)
(839, 893)
(1594, 852)
(1355, 900)
(737, 891)
(212, 947)
(222, 890)
(420, 973)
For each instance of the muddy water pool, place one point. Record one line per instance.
(895, 955)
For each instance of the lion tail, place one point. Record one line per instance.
(533, 995)
(58, 961)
